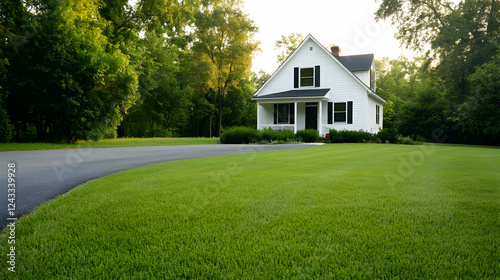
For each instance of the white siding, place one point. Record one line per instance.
(373, 127)
(266, 116)
(364, 76)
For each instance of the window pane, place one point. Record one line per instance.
(282, 113)
(306, 72)
(340, 107)
(339, 117)
(306, 82)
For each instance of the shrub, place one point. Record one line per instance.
(419, 140)
(267, 134)
(308, 135)
(349, 136)
(270, 135)
(5, 126)
(285, 135)
(239, 135)
(405, 140)
(388, 134)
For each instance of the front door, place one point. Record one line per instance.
(312, 117)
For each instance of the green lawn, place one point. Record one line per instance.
(334, 212)
(109, 143)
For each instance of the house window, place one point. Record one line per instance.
(339, 112)
(377, 114)
(284, 113)
(306, 77)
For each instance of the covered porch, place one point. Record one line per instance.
(293, 110)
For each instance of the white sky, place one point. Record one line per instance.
(349, 24)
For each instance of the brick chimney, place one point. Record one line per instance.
(336, 50)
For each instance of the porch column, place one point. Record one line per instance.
(320, 118)
(258, 115)
(295, 117)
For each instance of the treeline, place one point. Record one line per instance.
(452, 92)
(85, 69)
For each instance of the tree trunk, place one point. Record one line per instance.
(210, 125)
(219, 126)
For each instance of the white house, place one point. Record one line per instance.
(319, 89)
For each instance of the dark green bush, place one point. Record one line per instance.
(239, 135)
(349, 136)
(308, 135)
(267, 134)
(285, 135)
(270, 135)
(5, 126)
(388, 134)
(405, 140)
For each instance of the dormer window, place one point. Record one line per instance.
(306, 77)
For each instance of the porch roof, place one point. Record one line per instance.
(297, 93)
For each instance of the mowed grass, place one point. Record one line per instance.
(330, 212)
(109, 143)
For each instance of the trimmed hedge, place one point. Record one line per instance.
(246, 135)
(388, 135)
(349, 136)
(239, 135)
(308, 135)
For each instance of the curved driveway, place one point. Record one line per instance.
(43, 175)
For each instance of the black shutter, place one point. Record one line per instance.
(296, 77)
(349, 112)
(330, 112)
(316, 76)
(292, 113)
(275, 113)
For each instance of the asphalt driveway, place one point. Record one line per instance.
(43, 175)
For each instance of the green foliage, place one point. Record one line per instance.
(307, 136)
(282, 136)
(65, 79)
(463, 35)
(165, 104)
(423, 116)
(350, 136)
(389, 114)
(239, 109)
(405, 140)
(388, 135)
(224, 39)
(5, 126)
(287, 45)
(480, 113)
(239, 135)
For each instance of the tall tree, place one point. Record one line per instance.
(462, 36)
(165, 103)
(480, 113)
(287, 45)
(224, 34)
(64, 78)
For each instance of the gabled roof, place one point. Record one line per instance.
(301, 93)
(355, 63)
(310, 37)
